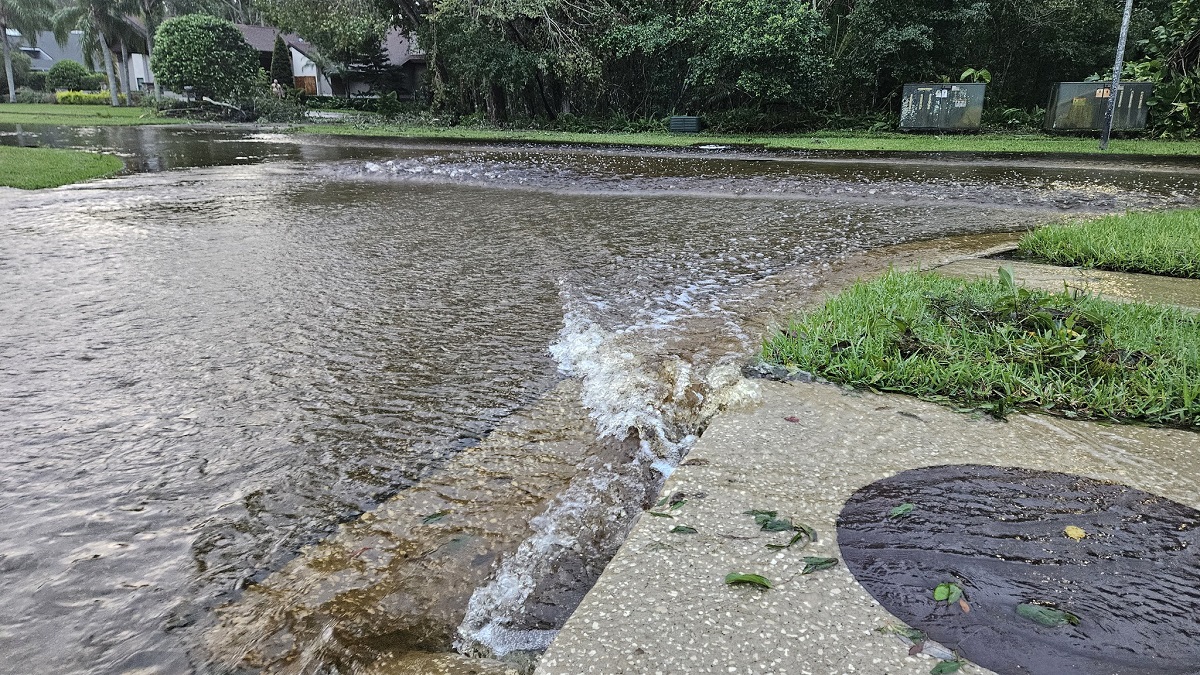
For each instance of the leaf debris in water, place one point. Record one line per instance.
(683, 529)
(902, 510)
(1047, 616)
(812, 564)
(434, 517)
(1076, 533)
(753, 579)
(948, 593)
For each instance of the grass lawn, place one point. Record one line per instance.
(846, 141)
(33, 168)
(989, 345)
(77, 115)
(1165, 243)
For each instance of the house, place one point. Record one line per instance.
(405, 63)
(48, 52)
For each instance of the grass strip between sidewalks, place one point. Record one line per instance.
(990, 345)
(1166, 243)
(847, 141)
(34, 168)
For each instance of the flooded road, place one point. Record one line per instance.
(207, 370)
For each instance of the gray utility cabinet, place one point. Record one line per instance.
(947, 107)
(686, 125)
(1080, 106)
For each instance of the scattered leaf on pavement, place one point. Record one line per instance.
(812, 564)
(945, 667)
(434, 517)
(791, 418)
(1075, 533)
(902, 510)
(753, 579)
(683, 529)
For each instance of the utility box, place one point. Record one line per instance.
(686, 125)
(942, 107)
(1080, 106)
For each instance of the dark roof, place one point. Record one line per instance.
(51, 51)
(262, 38)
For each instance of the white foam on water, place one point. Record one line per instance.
(630, 384)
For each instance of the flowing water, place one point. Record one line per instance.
(208, 370)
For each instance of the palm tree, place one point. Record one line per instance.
(151, 12)
(101, 22)
(27, 17)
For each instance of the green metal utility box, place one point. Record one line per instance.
(1080, 106)
(686, 125)
(942, 107)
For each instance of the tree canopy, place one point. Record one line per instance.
(205, 53)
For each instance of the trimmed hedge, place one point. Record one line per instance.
(86, 98)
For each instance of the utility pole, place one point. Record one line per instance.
(1116, 83)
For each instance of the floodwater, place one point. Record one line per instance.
(214, 363)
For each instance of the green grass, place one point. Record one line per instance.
(988, 345)
(1165, 243)
(77, 115)
(34, 168)
(843, 141)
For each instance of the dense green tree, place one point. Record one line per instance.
(205, 53)
(28, 17)
(281, 62)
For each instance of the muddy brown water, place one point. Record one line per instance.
(206, 370)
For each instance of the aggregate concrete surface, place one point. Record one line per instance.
(662, 605)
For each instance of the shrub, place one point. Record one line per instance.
(36, 80)
(281, 63)
(27, 95)
(69, 75)
(95, 82)
(20, 64)
(205, 53)
(86, 98)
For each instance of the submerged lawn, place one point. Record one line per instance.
(33, 168)
(1165, 243)
(992, 346)
(77, 115)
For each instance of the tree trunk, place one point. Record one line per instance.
(150, 28)
(108, 70)
(8, 71)
(125, 88)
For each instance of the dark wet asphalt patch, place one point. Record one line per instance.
(1124, 562)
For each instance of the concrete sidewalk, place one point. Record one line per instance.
(662, 605)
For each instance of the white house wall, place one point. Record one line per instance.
(302, 66)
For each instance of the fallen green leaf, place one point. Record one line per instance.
(903, 631)
(1047, 616)
(754, 579)
(948, 593)
(683, 529)
(756, 513)
(802, 532)
(812, 564)
(660, 515)
(902, 510)
(944, 667)
(434, 517)
(776, 525)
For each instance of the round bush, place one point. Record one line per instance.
(69, 75)
(205, 53)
